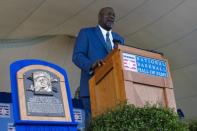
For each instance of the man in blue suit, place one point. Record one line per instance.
(92, 45)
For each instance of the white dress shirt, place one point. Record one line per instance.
(104, 32)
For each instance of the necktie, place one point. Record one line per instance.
(108, 42)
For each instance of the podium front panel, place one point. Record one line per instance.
(147, 78)
(140, 94)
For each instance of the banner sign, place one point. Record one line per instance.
(79, 115)
(145, 65)
(6, 117)
(4, 110)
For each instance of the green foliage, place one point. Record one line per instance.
(192, 124)
(129, 118)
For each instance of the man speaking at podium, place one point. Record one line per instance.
(92, 45)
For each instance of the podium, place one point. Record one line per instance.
(133, 75)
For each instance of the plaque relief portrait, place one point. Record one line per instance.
(42, 83)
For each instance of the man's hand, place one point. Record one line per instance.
(97, 64)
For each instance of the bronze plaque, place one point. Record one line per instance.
(42, 94)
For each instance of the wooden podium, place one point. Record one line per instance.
(133, 75)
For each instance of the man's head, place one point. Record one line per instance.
(106, 18)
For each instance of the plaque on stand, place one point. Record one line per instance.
(41, 96)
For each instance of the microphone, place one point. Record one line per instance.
(116, 42)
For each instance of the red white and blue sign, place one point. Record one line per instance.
(4, 110)
(6, 116)
(145, 65)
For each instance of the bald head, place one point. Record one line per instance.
(106, 18)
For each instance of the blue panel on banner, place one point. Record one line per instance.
(145, 65)
(6, 112)
(151, 66)
(6, 118)
(79, 114)
(80, 118)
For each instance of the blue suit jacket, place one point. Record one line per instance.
(89, 47)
